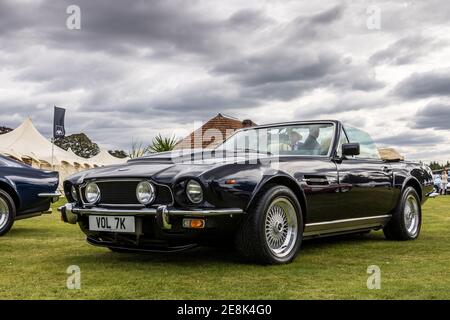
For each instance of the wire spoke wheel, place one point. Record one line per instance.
(281, 227)
(4, 213)
(411, 215)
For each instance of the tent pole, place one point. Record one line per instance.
(53, 152)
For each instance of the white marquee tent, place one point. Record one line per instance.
(26, 144)
(106, 158)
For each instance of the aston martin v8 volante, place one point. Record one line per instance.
(25, 192)
(265, 189)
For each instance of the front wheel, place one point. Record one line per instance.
(407, 218)
(7, 212)
(271, 232)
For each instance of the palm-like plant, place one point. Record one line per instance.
(137, 149)
(161, 144)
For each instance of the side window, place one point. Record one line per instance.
(342, 140)
(367, 146)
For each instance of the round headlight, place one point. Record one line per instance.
(92, 192)
(73, 193)
(194, 191)
(145, 192)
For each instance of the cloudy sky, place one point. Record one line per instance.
(138, 68)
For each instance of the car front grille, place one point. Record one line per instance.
(123, 193)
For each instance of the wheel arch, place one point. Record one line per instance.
(286, 181)
(5, 186)
(413, 182)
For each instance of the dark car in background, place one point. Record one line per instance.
(265, 189)
(25, 192)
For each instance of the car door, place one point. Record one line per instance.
(318, 179)
(365, 181)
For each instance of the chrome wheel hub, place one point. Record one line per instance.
(411, 215)
(281, 227)
(4, 213)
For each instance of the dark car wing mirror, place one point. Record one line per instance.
(350, 149)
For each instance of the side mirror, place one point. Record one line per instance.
(350, 149)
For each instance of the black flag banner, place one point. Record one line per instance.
(59, 130)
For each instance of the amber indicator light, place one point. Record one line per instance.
(194, 223)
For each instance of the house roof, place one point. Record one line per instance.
(212, 133)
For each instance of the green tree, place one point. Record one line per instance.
(161, 144)
(435, 165)
(80, 144)
(5, 130)
(118, 153)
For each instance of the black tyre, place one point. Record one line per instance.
(7, 212)
(406, 220)
(272, 231)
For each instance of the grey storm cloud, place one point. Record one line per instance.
(248, 19)
(312, 27)
(142, 66)
(411, 139)
(434, 115)
(279, 66)
(407, 50)
(288, 74)
(188, 103)
(343, 103)
(425, 85)
(163, 28)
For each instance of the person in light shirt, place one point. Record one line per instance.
(444, 182)
(437, 183)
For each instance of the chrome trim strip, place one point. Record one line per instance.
(315, 180)
(120, 205)
(153, 211)
(50, 195)
(346, 220)
(208, 212)
(345, 226)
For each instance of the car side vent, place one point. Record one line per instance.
(316, 180)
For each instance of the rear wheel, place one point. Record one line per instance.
(7, 212)
(407, 218)
(271, 232)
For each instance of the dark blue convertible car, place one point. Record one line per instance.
(265, 188)
(25, 192)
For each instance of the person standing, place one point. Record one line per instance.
(437, 183)
(444, 182)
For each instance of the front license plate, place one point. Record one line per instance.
(112, 224)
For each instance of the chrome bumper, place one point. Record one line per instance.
(54, 196)
(162, 213)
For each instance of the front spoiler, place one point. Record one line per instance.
(70, 213)
(116, 246)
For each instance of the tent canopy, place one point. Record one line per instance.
(106, 158)
(25, 142)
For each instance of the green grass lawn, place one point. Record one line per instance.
(35, 255)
